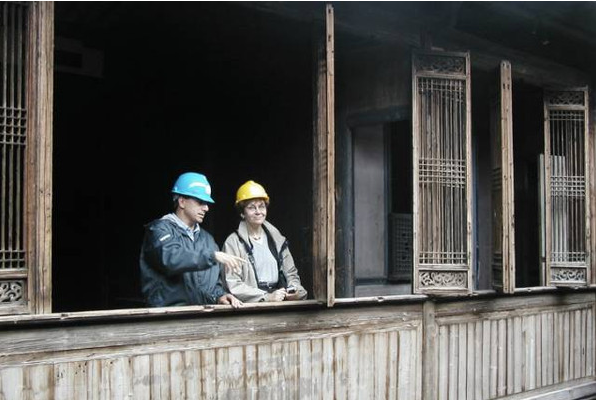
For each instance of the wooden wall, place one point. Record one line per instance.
(477, 349)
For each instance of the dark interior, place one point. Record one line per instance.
(215, 88)
(528, 144)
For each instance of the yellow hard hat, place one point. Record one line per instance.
(251, 190)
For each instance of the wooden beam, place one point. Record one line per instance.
(38, 190)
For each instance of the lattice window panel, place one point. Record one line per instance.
(441, 106)
(566, 148)
(13, 140)
(400, 228)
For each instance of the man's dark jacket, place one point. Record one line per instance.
(176, 270)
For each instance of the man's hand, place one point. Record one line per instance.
(278, 295)
(231, 263)
(229, 300)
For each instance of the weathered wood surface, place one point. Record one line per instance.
(324, 163)
(516, 347)
(513, 346)
(323, 354)
(38, 188)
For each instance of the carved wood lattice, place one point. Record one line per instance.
(441, 198)
(567, 258)
(13, 129)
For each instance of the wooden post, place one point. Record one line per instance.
(38, 187)
(324, 167)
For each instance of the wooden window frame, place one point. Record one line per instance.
(37, 166)
(552, 105)
(445, 277)
(38, 172)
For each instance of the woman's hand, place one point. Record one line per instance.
(278, 295)
(293, 296)
(231, 263)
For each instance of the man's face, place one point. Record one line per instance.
(193, 210)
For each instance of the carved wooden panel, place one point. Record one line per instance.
(567, 222)
(441, 138)
(13, 141)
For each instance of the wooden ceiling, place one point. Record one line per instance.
(561, 32)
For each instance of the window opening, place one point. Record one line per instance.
(232, 100)
(528, 147)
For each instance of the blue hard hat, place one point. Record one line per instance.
(194, 185)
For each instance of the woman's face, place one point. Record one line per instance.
(255, 212)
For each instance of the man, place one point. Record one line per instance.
(179, 260)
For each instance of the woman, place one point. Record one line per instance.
(270, 274)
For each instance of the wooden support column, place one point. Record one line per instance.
(38, 190)
(324, 167)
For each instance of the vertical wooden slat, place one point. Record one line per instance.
(380, 361)
(208, 373)
(141, 386)
(340, 366)
(394, 357)
(316, 368)
(39, 381)
(472, 358)
(94, 372)
(304, 348)
(510, 364)
(538, 350)
(462, 375)
(503, 257)
(365, 366)
(502, 352)
(191, 374)
(565, 347)
(177, 384)
(407, 351)
(444, 363)
(328, 371)
(290, 370)
(324, 166)
(453, 362)
(251, 371)
(430, 352)
(11, 382)
(590, 348)
(486, 359)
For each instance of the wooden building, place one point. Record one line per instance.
(432, 164)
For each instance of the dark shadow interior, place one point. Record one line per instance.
(210, 87)
(400, 192)
(483, 84)
(528, 144)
